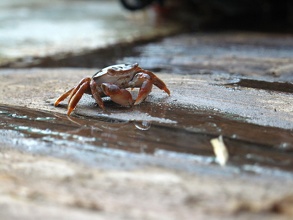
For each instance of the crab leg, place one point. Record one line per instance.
(157, 81)
(75, 97)
(96, 94)
(70, 92)
(74, 91)
(62, 97)
(118, 95)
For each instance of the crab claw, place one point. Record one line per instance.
(118, 95)
(144, 91)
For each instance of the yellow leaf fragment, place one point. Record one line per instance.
(220, 150)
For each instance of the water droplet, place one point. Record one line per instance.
(142, 125)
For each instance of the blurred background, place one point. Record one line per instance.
(58, 28)
(225, 13)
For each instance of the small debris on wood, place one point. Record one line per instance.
(220, 150)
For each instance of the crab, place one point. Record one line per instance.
(113, 81)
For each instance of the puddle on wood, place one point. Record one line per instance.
(258, 84)
(252, 148)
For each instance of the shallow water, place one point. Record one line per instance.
(103, 141)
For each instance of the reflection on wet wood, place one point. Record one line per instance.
(247, 144)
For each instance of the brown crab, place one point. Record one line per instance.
(112, 81)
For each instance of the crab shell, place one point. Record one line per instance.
(112, 81)
(120, 75)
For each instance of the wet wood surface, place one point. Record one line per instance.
(238, 85)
